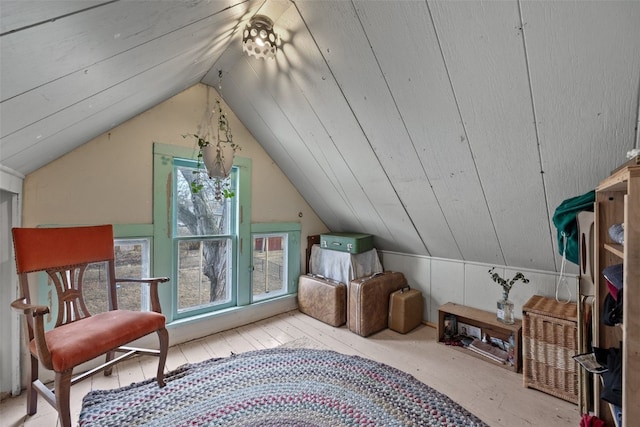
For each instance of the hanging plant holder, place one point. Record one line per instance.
(216, 150)
(218, 160)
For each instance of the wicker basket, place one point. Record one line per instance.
(550, 339)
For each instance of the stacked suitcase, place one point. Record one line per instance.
(405, 310)
(323, 299)
(367, 304)
(354, 243)
(369, 301)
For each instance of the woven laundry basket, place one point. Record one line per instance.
(549, 341)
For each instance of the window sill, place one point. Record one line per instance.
(199, 326)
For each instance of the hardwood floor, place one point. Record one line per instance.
(494, 394)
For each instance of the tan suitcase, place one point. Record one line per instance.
(369, 301)
(405, 310)
(323, 299)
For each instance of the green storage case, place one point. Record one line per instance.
(353, 243)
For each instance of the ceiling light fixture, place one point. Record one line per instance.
(259, 39)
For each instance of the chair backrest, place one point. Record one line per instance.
(64, 254)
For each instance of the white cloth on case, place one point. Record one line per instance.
(343, 266)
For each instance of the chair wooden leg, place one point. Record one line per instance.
(62, 392)
(32, 393)
(109, 357)
(163, 336)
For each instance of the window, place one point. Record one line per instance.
(270, 255)
(275, 260)
(207, 247)
(204, 236)
(131, 261)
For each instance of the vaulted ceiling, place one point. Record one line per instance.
(445, 128)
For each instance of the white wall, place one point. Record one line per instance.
(469, 283)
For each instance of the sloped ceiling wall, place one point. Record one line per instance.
(445, 128)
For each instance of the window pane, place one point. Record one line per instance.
(95, 288)
(132, 261)
(204, 273)
(199, 214)
(269, 265)
(203, 229)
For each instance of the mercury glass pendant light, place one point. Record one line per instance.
(259, 39)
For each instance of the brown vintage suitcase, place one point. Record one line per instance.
(369, 301)
(323, 299)
(405, 310)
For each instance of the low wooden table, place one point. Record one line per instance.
(489, 324)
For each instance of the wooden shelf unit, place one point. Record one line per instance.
(489, 324)
(617, 201)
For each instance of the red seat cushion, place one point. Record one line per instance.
(83, 340)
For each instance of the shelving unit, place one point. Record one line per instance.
(489, 324)
(585, 304)
(618, 201)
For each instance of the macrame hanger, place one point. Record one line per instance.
(205, 128)
(562, 279)
(222, 119)
(220, 83)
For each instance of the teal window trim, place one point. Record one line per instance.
(293, 230)
(163, 155)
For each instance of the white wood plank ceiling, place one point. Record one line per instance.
(445, 128)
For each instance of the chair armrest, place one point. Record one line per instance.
(36, 326)
(36, 310)
(153, 289)
(145, 280)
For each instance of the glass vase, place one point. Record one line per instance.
(504, 311)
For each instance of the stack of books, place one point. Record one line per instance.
(489, 351)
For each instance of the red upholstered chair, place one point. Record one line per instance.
(77, 337)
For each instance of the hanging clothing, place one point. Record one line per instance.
(565, 220)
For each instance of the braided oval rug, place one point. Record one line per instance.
(278, 387)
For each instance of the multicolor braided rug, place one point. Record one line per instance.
(278, 387)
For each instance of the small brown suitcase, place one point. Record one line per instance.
(369, 301)
(323, 299)
(405, 310)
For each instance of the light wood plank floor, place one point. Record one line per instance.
(494, 394)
